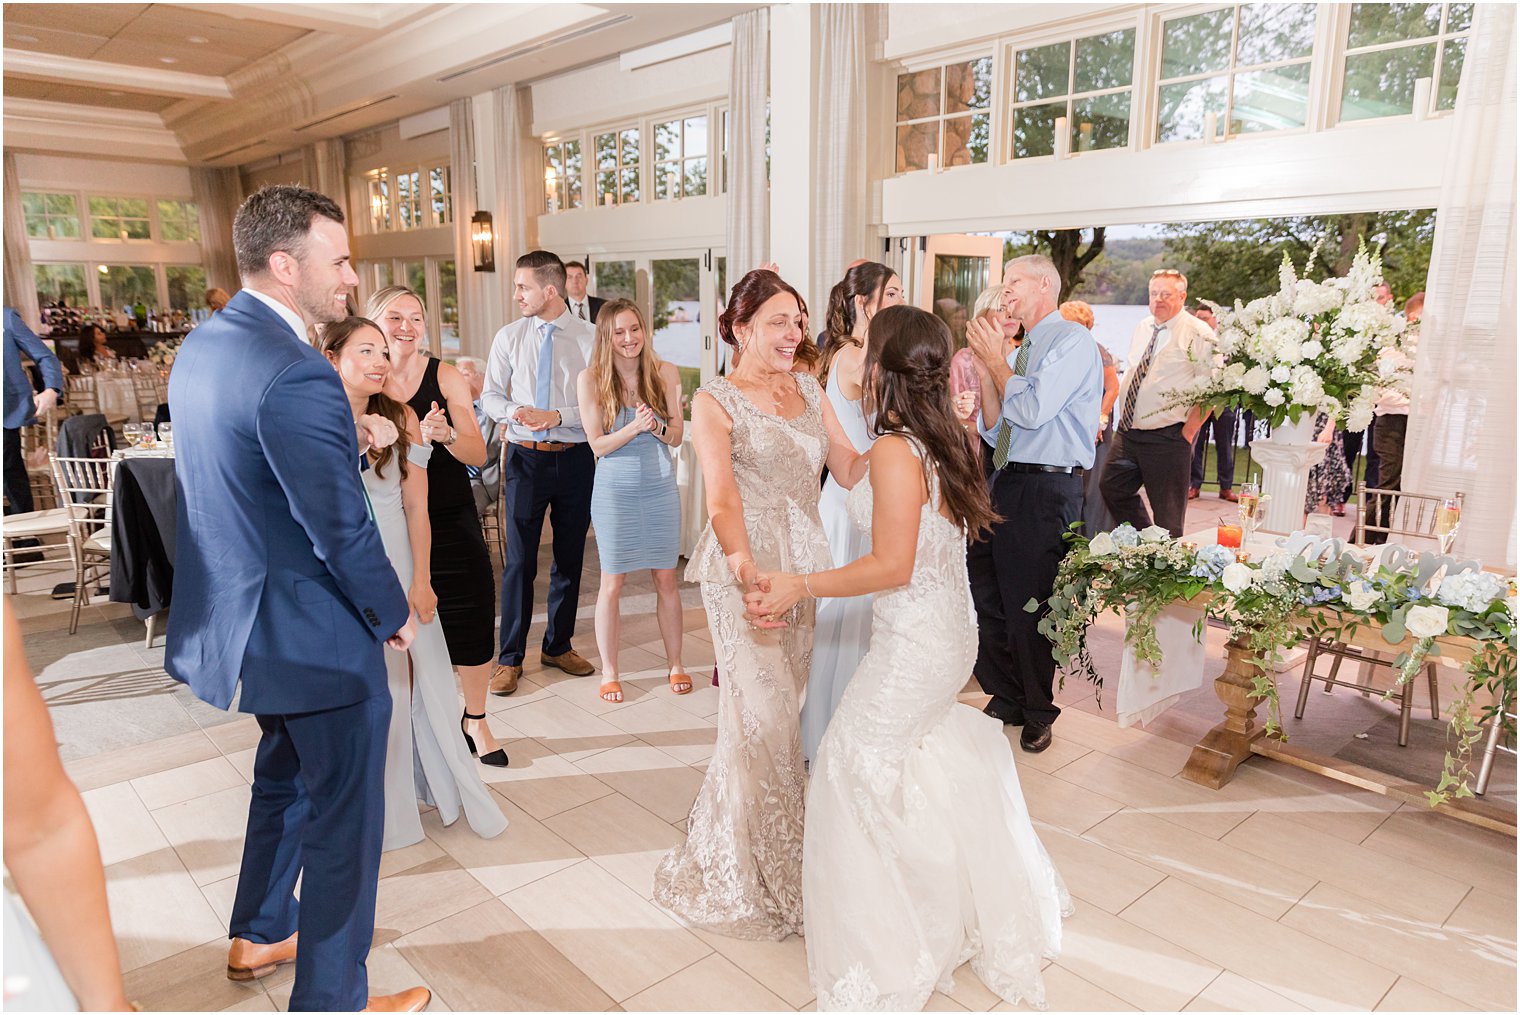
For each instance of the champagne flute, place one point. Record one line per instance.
(132, 431)
(1250, 498)
(1448, 520)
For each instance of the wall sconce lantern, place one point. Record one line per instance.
(483, 241)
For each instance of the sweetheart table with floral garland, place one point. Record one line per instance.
(1387, 599)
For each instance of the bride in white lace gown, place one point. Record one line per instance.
(919, 853)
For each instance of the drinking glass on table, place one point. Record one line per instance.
(1448, 520)
(166, 434)
(1250, 499)
(133, 432)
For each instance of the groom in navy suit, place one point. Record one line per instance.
(281, 584)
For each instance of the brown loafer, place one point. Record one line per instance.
(1229, 495)
(571, 662)
(504, 679)
(412, 999)
(249, 960)
(1193, 493)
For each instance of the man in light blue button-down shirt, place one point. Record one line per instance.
(1047, 398)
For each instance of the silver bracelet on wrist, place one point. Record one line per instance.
(807, 583)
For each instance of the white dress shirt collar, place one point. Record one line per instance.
(287, 315)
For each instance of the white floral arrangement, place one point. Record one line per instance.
(162, 353)
(1310, 347)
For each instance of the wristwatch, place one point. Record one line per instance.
(453, 436)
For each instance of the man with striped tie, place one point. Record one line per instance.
(1046, 397)
(1153, 446)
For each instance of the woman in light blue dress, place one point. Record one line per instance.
(631, 409)
(844, 625)
(425, 759)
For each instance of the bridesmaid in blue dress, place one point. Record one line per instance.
(844, 625)
(631, 408)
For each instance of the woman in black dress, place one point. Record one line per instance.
(462, 577)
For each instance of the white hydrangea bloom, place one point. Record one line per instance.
(1256, 380)
(1312, 349)
(1280, 374)
(1274, 397)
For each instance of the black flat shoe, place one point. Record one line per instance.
(496, 759)
(1035, 737)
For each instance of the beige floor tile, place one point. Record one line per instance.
(186, 783)
(1488, 911)
(701, 700)
(389, 973)
(1258, 884)
(712, 984)
(530, 689)
(243, 762)
(258, 1002)
(675, 731)
(123, 826)
(620, 836)
(939, 1002)
(697, 654)
(208, 832)
(1061, 752)
(970, 992)
(1306, 798)
(648, 776)
(565, 728)
(1456, 849)
(523, 853)
(1096, 874)
(143, 892)
(1132, 743)
(1140, 968)
(1233, 992)
(622, 942)
(780, 965)
(540, 781)
(394, 861)
(232, 737)
(143, 759)
(1407, 995)
(1054, 801)
(220, 896)
(487, 959)
(192, 980)
(1066, 991)
(1405, 888)
(1176, 800)
(422, 895)
(1472, 968)
(1306, 970)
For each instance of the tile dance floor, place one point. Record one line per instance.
(1284, 891)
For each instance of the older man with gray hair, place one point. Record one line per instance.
(1039, 407)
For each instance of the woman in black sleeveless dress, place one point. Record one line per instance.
(462, 576)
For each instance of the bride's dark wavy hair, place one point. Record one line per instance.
(907, 386)
(330, 344)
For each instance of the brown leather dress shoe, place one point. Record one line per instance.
(571, 662)
(1193, 493)
(249, 960)
(412, 999)
(1229, 495)
(504, 679)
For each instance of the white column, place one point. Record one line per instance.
(1286, 458)
(793, 110)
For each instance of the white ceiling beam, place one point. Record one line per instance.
(66, 127)
(73, 70)
(334, 18)
(671, 49)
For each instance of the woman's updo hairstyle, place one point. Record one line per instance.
(744, 302)
(865, 280)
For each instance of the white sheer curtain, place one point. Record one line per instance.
(839, 181)
(517, 196)
(475, 324)
(20, 284)
(1462, 413)
(217, 192)
(749, 233)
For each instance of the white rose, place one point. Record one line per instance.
(1273, 397)
(1280, 374)
(1234, 375)
(1255, 380)
(1102, 545)
(1361, 597)
(1312, 349)
(1427, 621)
(1237, 577)
(1154, 534)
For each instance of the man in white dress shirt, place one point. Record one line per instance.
(1153, 447)
(530, 390)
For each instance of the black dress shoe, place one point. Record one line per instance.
(1001, 716)
(1036, 736)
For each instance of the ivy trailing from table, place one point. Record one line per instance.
(1319, 588)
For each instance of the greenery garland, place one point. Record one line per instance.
(1313, 587)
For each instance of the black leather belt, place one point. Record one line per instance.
(1071, 470)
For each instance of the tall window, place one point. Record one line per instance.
(1247, 64)
(616, 280)
(123, 285)
(408, 197)
(944, 112)
(448, 308)
(187, 286)
(379, 202)
(1089, 81)
(406, 191)
(51, 216)
(680, 154)
(57, 282)
(1391, 46)
(617, 166)
(562, 175)
(441, 195)
(124, 218)
(179, 222)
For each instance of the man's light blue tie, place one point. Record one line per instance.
(545, 374)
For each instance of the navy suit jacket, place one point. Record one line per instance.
(20, 409)
(280, 578)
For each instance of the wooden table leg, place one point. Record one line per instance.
(1223, 748)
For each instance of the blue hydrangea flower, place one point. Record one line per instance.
(1211, 562)
(1126, 536)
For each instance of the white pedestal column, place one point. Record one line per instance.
(1286, 458)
